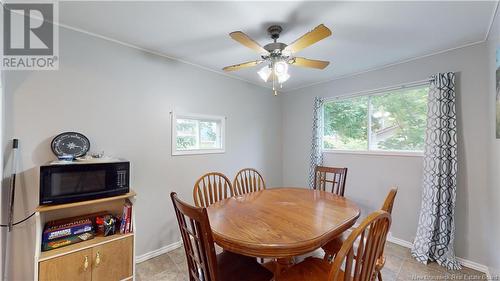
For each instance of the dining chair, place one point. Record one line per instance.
(203, 263)
(359, 260)
(248, 180)
(336, 178)
(334, 246)
(330, 176)
(210, 188)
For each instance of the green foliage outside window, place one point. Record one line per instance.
(346, 124)
(408, 115)
(186, 142)
(398, 121)
(196, 134)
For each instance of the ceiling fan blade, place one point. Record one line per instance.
(320, 32)
(242, 65)
(319, 64)
(247, 41)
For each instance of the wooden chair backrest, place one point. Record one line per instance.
(198, 241)
(388, 205)
(210, 188)
(324, 176)
(248, 180)
(389, 200)
(360, 261)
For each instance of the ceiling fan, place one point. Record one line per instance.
(279, 55)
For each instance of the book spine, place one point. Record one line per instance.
(131, 221)
(123, 220)
(129, 213)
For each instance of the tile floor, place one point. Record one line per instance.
(400, 266)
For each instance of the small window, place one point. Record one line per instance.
(392, 121)
(197, 134)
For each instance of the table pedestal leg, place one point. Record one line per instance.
(281, 265)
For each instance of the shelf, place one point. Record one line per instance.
(46, 208)
(98, 240)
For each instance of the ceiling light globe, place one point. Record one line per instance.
(265, 72)
(281, 68)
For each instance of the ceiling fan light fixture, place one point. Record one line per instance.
(286, 53)
(283, 77)
(265, 72)
(281, 68)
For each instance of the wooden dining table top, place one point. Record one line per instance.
(280, 222)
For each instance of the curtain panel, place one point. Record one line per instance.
(316, 145)
(435, 235)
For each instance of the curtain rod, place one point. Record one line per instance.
(381, 90)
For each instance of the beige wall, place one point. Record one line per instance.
(371, 176)
(121, 98)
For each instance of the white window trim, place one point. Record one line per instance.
(369, 94)
(176, 115)
(379, 91)
(405, 153)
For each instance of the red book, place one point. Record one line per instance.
(129, 217)
(123, 222)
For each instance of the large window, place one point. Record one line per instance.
(197, 134)
(388, 121)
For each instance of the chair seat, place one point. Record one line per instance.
(311, 269)
(231, 267)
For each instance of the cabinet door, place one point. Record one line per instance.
(75, 266)
(113, 260)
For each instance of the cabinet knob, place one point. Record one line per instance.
(86, 263)
(97, 259)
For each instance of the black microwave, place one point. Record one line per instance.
(80, 181)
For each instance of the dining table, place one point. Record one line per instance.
(280, 222)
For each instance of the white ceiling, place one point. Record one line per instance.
(366, 35)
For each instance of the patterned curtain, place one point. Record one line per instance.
(316, 146)
(436, 227)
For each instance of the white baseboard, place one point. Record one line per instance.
(390, 238)
(158, 252)
(398, 241)
(464, 262)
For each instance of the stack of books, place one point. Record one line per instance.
(126, 218)
(65, 232)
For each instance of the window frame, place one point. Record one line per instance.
(370, 94)
(199, 117)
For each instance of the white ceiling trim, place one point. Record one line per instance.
(126, 44)
(264, 85)
(387, 65)
(123, 43)
(492, 21)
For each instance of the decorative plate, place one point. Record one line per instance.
(70, 143)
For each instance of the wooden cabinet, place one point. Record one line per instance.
(106, 262)
(75, 266)
(109, 258)
(112, 261)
